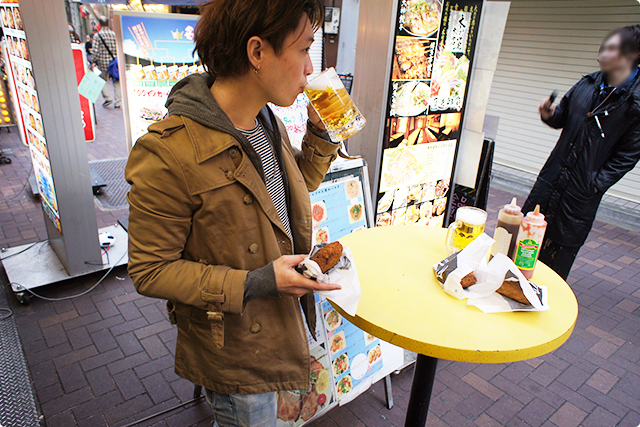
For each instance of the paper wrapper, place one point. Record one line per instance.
(490, 277)
(344, 274)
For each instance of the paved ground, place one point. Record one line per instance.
(106, 359)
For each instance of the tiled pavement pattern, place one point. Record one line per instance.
(106, 359)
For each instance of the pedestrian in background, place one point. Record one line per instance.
(75, 38)
(88, 46)
(104, 51)
(599, 144)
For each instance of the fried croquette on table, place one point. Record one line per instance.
(328, 256)
(511, 289)
(468, 280)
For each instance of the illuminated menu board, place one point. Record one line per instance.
(432, 56)
(20, 71)
(158, 52)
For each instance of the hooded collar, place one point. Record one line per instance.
(191, 97)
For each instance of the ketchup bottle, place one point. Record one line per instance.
(530, 236)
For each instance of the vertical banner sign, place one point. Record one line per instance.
(80, 63)
(158, 51)
(433, 52)
(21, 73)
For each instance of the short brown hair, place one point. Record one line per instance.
(225, 27)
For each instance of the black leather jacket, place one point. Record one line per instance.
(595, 150)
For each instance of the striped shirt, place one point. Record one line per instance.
(273, 176)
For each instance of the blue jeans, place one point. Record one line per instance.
(243, 410)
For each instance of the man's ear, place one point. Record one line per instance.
(255, 51)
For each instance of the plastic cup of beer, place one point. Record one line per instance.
(335, 107)
(469, 224)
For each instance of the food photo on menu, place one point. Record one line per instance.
(420, 17)
(297, 407)
(10, 21)
(421, 204)
(407, 131)
(355, 355)
(413, 58)
(410, 98)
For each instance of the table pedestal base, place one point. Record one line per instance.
(423, 376)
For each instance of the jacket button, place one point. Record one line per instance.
(229, 175)
(247, 199)
(253, 248)
(255, 328)
(234, 153)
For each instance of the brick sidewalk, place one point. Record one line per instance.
(106, 359)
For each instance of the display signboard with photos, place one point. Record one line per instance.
(155, 51)
(345, 360)
(431, 61)
(27, 106)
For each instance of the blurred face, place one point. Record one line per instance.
(611, 58)
(283, 76)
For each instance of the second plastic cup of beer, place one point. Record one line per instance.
(334, 105)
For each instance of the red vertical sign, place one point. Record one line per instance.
(80, 62)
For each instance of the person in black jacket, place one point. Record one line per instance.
(599, 144)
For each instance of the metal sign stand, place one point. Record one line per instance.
(73, 247)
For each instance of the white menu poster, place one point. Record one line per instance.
(20, 71)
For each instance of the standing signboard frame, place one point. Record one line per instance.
(428, 84)
(42, 58)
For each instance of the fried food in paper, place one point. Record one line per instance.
(468, 280)
(511, 289)
(328, 256)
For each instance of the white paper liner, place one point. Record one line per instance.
(490, 277)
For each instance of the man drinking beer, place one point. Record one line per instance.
(219, 205)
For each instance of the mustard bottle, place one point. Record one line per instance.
(530, 237)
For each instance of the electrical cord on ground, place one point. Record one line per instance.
(106, 252)
(81, 293)
(18, 253)
(15, 196)
(6, 316)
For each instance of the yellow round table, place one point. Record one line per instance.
(403, 303)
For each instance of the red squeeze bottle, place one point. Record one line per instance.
(530, 237)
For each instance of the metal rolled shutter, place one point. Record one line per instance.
(317, 53)
(549, 45)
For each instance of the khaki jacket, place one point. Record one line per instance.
(200, 219)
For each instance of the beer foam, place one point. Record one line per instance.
(318, 85)
(321, 82)
(471, 216)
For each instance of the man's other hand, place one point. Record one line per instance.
(546, 109)
(292, 283)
